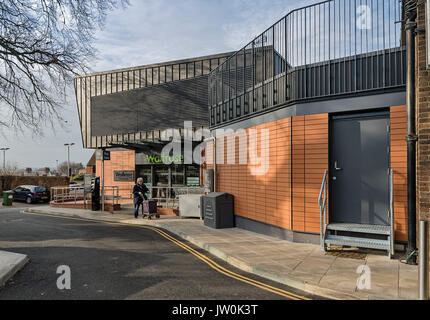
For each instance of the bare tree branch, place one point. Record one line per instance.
(43, 44)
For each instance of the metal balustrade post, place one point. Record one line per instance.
(323, 209)
(423, 260)
(391, 213)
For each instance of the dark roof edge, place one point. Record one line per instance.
(213, 56)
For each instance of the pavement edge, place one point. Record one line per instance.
(18, 263)
(236, 262)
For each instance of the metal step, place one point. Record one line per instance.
(358, 242)
(359, 228)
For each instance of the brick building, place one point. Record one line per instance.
(423, 118)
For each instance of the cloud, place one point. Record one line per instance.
(152, 31)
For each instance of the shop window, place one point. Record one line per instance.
(145, 173)
(193, 175)
(177, 174)
(161, 175)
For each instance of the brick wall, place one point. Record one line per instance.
(120, 160)
(423, 121)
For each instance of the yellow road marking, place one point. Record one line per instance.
(197, 254)
(210, 261)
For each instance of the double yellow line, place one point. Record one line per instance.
(198, 255)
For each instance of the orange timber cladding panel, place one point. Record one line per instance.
(298, 153)
(399, 166)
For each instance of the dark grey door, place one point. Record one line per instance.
(359, 163)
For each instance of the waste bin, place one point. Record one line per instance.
(7, 198)
(218, 210)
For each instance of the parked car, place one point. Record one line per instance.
(77, 188)
(31, 194)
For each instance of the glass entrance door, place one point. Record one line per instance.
(161, 175)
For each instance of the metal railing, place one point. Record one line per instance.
(322, 202)
(328, 49)
(167, 197)
(74, 195)
(391, 213)
(80, 196)
(111, 195)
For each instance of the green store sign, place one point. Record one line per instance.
(164, 159)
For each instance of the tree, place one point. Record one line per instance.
(10, 169)
(43, 44)
(62, 167)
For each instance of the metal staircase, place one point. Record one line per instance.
(353, 234)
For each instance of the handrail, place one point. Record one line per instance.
(391, 213)
(284, 18)
(166, 196)
(79, 195)
(323, 208)
(323, 45)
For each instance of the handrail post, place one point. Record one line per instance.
(325, 204)
(323, 209)
(321, 229)
(423, 251)
(391, 213)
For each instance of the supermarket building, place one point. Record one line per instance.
(127, 111)
(325, 98)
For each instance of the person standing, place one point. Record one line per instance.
(139, 194)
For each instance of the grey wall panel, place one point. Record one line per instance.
(154, 108)
(275, 231)
(119, 81)
(369, 102)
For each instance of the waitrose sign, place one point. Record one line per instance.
(153, 158)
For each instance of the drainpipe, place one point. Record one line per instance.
(410, 10)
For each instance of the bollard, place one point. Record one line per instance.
(424, 261)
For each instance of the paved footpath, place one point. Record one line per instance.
(301, 266)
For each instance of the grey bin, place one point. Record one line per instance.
(218, 210)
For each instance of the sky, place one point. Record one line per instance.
(150, 31)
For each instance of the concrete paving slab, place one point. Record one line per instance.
(315, 265)
(313, 278)
(344, 281)
(346, 266)
(289, 263)
(10, 263)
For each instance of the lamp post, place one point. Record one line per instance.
(68, 145)
(4, 157)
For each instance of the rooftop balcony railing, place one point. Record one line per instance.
(326, 50)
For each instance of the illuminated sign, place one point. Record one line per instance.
(155, 158)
